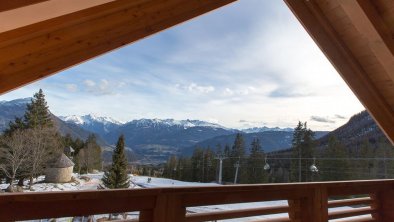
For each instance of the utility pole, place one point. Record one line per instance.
(220, 158)
(236, 171)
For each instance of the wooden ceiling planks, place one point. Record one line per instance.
(33, 51)
(358, 41)
(13, 4)
(367, 20)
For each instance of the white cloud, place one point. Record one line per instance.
(196, 89)
(72, 87)
(89, 83)
(101, 87)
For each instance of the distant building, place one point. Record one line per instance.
(60, 170)
(69, 151)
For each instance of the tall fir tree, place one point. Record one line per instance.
(37, 118)
(303, 146)
(17, 124)
(334, 166)
(116, 176)
(197, 164)
(227, 167)
(385, 152)
(237, 157)
(255, 171)
(37, 112)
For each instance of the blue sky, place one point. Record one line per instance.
(248, 64)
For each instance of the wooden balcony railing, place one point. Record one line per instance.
(307, 202)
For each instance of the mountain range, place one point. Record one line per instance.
(359, 129)
(152, 140)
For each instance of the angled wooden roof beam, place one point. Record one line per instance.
(41, 39)
(359, 43)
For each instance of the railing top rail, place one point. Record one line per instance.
(199, 189)
(71, 203)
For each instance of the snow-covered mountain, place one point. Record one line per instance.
(266, 129)
(171, 122)
(89, 119)
(153, 140)
(16, 102)
(11, 109)
(93, 123)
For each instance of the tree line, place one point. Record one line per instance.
(32, 141)
(306, 161)
(238, 165)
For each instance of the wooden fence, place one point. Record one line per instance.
(307, 202)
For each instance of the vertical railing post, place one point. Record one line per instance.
(295, 210)
(160, 210)
(384, 201)
(313, 207)
(320, 204)
(145, 216)
(175, 210)
(375, 206)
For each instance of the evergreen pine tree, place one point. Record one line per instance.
(303, 146)
(334, 168)
(197, 164)
(37, 112)
(255, 171)
(385, 152)
(238, 149)
(116, 176)
(17, 124)
(237, 156)
(228, 169)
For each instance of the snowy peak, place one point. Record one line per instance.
(171, 122)
(73, 119)
(89, 119)
(265, 129)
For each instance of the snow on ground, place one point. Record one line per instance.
(142, 181)
(92, 181)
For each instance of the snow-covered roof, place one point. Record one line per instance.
(62, 162)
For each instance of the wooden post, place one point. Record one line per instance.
(384, 200)
(375, 206)
(294, 212)
(311, 208)
(175, 209)
(161, 206)
(145, 216)
(320, 204)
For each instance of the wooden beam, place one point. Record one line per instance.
(12, 4)
(169, 204)
(63, 204)
(331, 44)
(81, 31)
(369, 23)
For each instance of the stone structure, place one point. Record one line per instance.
(59, 171)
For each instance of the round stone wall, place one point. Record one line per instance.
(58, 175)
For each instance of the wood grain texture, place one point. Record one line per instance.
(308, 202)
(59, 41)
(13, 4)
(362, 59)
